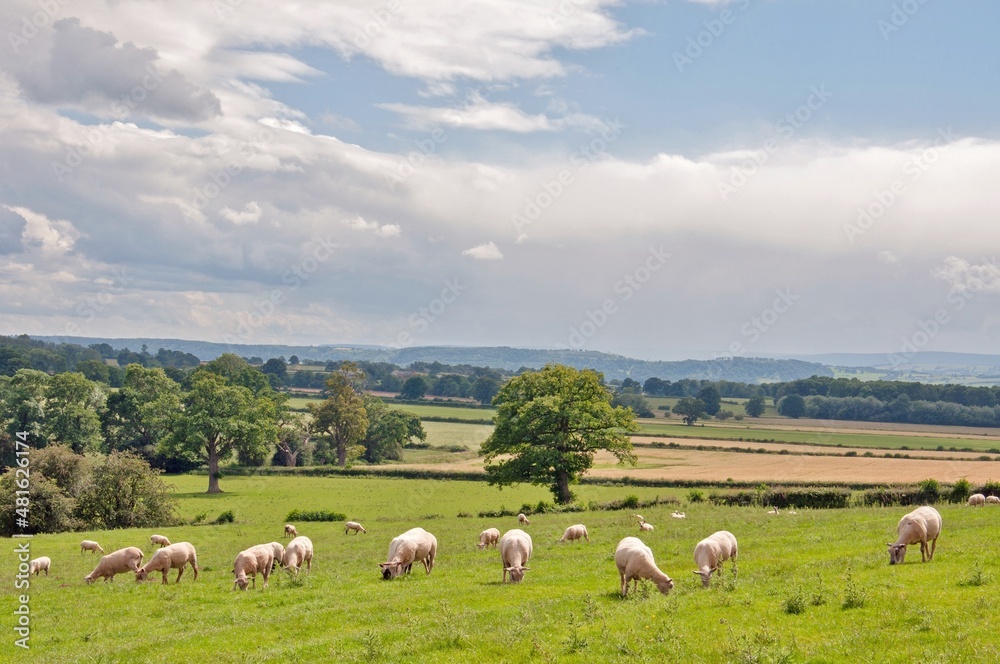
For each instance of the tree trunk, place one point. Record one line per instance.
(213, 472)
(342, 455)
(562, 492)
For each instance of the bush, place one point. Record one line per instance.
(225, 517)
(696, 496)
(931, 490)
(818, 498)
(315, 515)
(50, 509)
(123, 491)
(960, 491)
(795, 603)
(631, 502)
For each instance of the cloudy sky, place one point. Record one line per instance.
(663, 179)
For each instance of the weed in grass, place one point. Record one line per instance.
(819, 596)
(764, 647)
(590, 609)
(574, 642)
(854, 595)
(374, 650)
(977, 578)
(796, 602)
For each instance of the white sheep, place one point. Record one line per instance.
(298, 551)
(416, 544)
(515, 550)
(678, 515)
(355, 526)
(279, 553)
(635, 561)
(249, 562)
(39, 564)
(175, 556)
(573, 533)
(711, 552)
(159, 539)
(646, 527)
(976, 500)
(90, 545)
(488, 537)
(992, 500)
(640, 517)
(117, 562)
(290, 531)
(921, 525)
(523, 520)
(774, 510)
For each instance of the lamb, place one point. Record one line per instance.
(118, 562)
(574, 533)
(39, 564)
(90, 545)
(921, 525)
(774, 510)
(523, 520)
(711, 552)
(635, 561)
(298, 551)
(159, 539)
(290, 531)
(992, 500)
(515, 550)
(977, 500)
(355, 526)
(646, 527)
(678, 515)
(413, 545)
(249, 562)
(488, 537)
(175, 556)
(640, 517)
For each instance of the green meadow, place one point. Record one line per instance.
(811, 587)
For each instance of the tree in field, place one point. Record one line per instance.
(218, 418)
(294, 438)
(388, 430)
(549, 425)
(709, 396)
(485, 388)
(124, 492)
(635, 401)
(690, 410)
(792, 405)
(754, 406)
(276, 371)
(414, 388)
(72, 407)
(139, 415)
(341, 417)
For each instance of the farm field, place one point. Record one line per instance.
(830, 564)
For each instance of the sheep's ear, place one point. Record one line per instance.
(525, 568)
(696, 572)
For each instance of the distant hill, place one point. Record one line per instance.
(899, 360)
(740, 369)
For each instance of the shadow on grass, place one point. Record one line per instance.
(202, 494)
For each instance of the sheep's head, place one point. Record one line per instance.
(390, 570)
(481, 546)
(141, 574)
(706, 577)
(665, 585)
(242, 581)
(897, 552)
(517, 573)
(89, 579)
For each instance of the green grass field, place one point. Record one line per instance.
(568, 609)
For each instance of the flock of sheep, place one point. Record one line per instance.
(632, 557)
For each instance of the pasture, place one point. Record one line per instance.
(815, 586)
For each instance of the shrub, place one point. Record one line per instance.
(315, 515)
(696, 496)
(50, 509)
(930, 489)
(225, 517)
(795, 603)
(631, 502)
(123, 491)
(960, 491)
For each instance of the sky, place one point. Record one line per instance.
(661, 179)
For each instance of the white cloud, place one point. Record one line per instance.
(380, 230)
(965, 277)
(482, 114)
(250, 214)
(888, 258)
(484, 252)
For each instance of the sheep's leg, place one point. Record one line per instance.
(933, 546)
(179, 573)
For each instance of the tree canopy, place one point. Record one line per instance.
(690, 410)
(549, 425)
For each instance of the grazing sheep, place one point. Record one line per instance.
(298, 551)
(646, 527)
(488, 537)
(635, 561)
(175, 556)
(279, 554)
(523, 520)
(413, 545)
(774, 510)
(90, 545)
(249, 562)
(290, 531)
(976, 500)
(39, 564)
(640, 517)
(355, 526)
(515, 550)
(574, 533)
(921, 525)
(159, 539)
(678, 515)
(118, 562)
(992, 500)
(711, 552)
